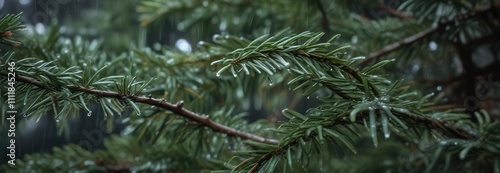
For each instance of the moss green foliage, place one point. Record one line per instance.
(365, 116)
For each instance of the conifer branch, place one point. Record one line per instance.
(175, 108)
(447, 129)
(345, 68)
(426, 33)
(396, 46)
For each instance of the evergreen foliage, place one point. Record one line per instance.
(188, 111)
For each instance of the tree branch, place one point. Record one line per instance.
(426, 33)
(441, 126)
(345, 68)
(394, 12)
(175, 108)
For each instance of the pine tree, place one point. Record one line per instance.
(272, 86)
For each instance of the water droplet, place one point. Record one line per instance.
(218, 74)
(89, 113)
(235, 75)
(308, 97)
(57, 120)
(270, 81)
(201, 43)
(384, 99)
(387, 135)
(216, 37)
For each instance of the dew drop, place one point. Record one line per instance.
(217, 37)
(89, 113)
(270, 81)
(57, 120)
(218, 74)
(201, 43)
(235, 75)
(308, 97)
(387, 135)
(384, 99)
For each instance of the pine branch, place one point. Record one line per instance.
(447, 129)
(427, 33)
(345, 68)
(175, 108)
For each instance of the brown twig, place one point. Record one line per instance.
(426, 33)
(397, 45)
(175, 108)
(338, 91)
(441, 107)
(394, 12)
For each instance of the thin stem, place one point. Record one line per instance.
(175, 108)
(426, 33)
(394, 12)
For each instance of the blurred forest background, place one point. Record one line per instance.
(445, 50)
